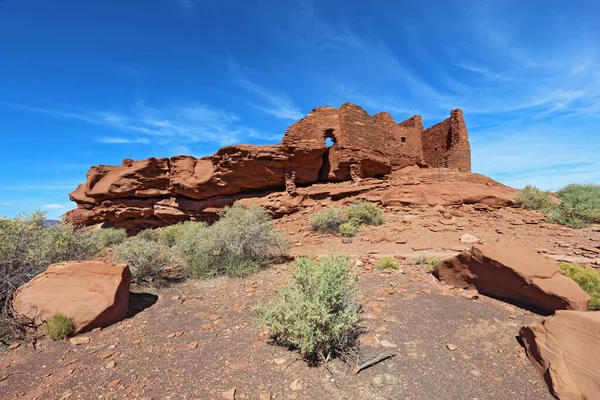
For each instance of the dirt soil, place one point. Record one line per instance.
(200, 339)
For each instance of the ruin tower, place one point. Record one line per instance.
(446, 145)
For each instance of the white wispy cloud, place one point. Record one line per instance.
(4, 204)
(176, 125)
(121, 140)
(270, 102)
(53, 206)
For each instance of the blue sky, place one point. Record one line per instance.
(92, 82)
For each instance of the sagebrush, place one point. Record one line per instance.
(334, 220)
(532, 198)
(588, 279)
(108, 237)
(242, 241)
(318, 312)
(579, 204)
(59, 327)
(364, 212)
(145, 259)
(326, 221)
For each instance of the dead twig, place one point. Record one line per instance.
(293, 361)
(373, 361)
(8, 376)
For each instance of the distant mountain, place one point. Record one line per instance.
(49, 223)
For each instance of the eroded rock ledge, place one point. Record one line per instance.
(367, 153)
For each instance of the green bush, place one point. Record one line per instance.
(109, 237)
(365, 212)
(326, 221)
(588, 279)
(349, 228)
(242, 241)
(59, 327)
(168, 235)
(149, 235)
(388, 263)
(532, 198)
(580, 206)
(64, 242)
(145, 259)
(318, 311)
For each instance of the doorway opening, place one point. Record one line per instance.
(326, 165)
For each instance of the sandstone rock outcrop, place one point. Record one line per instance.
(565, 348)
(162, 191)
(510, 271)
(94, 294)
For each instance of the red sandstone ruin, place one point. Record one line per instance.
(162, 191)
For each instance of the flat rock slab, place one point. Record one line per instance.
(510, 271)
(565, 348)
(93, 294)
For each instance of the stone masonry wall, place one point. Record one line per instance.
(446, 145)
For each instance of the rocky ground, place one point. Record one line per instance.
(199, 339)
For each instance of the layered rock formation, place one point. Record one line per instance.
(162, 191)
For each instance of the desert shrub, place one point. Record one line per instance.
(588, 279)
(242, 241)
(109, 237)
(580, 206)
(349, 228)
(387, 263)
(318, 311)
(64, 242)
(59, 327)
(145, 259)
(326, 221)
(149, 235)
(365, 212)
(168, 235)
(532, 198)
(557, 215)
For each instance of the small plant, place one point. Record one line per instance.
(388, 263)
(421, 260)
(349, 228)
(242, 241)
(326, 221)
(431, 263)
(145, 259)
(588, 279)
(365, 212)
(109, 237)
(532, 198)
(59, 327)
(318, 311)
